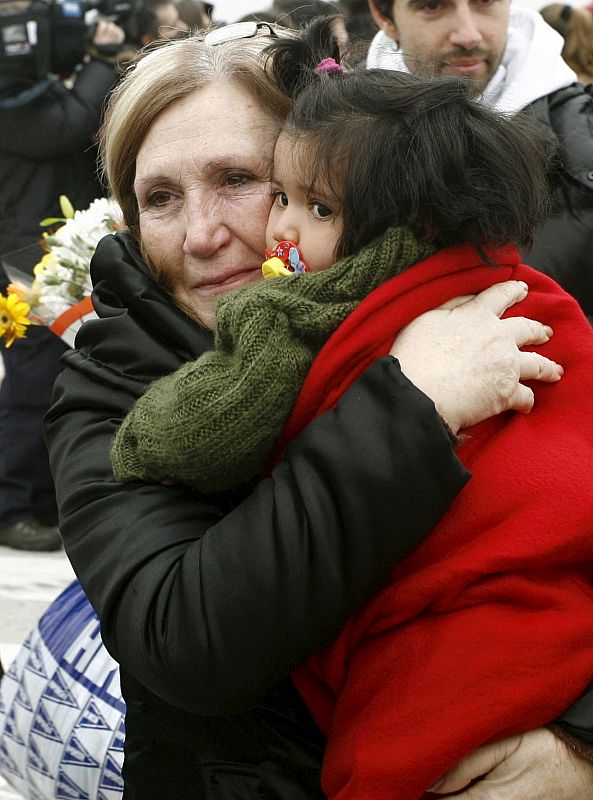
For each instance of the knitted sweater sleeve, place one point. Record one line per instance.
(213, 423)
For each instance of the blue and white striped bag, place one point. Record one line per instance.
(61, 710)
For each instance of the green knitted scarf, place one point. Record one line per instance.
(213, 423)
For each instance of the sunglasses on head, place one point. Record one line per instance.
(238, 30)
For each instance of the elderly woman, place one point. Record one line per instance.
(210, 603)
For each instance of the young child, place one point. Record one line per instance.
(485, 630)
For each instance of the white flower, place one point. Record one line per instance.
(52, 306)
(62, 277)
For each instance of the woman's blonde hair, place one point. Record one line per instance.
(169, 73)
(575, 25)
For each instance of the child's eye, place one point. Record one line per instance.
(280, 199)
(321, 211)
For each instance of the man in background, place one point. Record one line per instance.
(514, 59)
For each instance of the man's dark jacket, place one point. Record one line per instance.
(209, 604)
(563, 246)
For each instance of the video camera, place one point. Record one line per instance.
(51, 36)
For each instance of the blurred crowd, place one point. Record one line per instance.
(575, 25)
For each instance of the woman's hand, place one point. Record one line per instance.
(533, 766)
(467, 360)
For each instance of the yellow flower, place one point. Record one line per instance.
(40, 268)
(13, 318)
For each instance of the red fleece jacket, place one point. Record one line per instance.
(486, 630)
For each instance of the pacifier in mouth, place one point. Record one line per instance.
(284, 259)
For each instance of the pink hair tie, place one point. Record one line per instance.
(328, 66)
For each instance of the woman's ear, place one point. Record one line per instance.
(386, 24)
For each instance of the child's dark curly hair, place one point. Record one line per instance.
(396, 149)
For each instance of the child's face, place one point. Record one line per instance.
(311, 221)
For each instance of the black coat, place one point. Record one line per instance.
(563, 249)
(47, 148)
(209, 604)
(563, 246)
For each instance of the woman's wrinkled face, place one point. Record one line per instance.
(203, 190)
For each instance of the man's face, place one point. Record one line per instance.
(451, 37)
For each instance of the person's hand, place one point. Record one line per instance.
(532, 766)
(467, 360)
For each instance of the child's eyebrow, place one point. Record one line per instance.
(317, 193)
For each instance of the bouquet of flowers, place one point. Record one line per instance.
(59, 294)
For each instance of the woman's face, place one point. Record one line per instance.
(203, 190)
